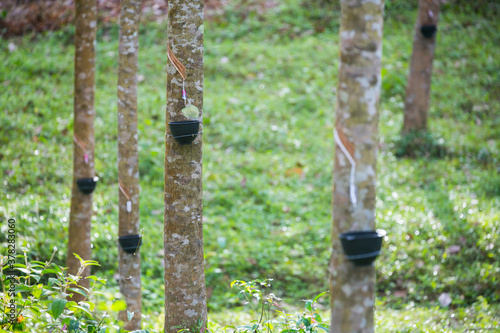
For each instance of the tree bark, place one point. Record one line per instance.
(185, 294)
(128, 159)
(353, 288)
(419, 80)
(83, 127)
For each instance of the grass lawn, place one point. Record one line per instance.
(270, 83)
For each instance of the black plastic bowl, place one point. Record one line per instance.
(184, 131)
(428, 31)
(130, 243)
(87, 185)
(362, 247)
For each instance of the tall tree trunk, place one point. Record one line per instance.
(419, 80)
(128, 159)
(83, 127)
(353, 288)
(185, 294)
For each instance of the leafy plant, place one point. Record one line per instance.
(256, 294)
(40, 293)
(419, 144)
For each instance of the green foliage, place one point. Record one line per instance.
(39, 291)
(419, 144)
(492, 186)
(40, 298)
(479, 317)
(270, 316)
(484, 8)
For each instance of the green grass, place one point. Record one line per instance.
(268, 148)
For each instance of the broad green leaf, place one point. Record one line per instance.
(20, 265)
(46, 293)
(317, 297)
(53, 281)
(58, 306)
(73, 325)
(102, 306)
(86, 262)
(36, 311)
(81, 308)
(242, 283)
(24, 270)
(309, 305)
(119, 305)
(22, 288)
(89, 305)
(72, 303)
(78, 291)
(50, 271)
(37, 293)
(78, 257)
(57, 268)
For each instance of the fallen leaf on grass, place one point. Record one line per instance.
(294, 171)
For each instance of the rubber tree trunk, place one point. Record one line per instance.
(419, 80)
(353, 288)
(185, 294)
(83, 127)
(128, 160)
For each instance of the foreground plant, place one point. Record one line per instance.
(35, 298)
(271, 316)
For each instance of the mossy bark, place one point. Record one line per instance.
(185, 294)
(359, 79)
(84, 114)
(419, 81)
(128, 159)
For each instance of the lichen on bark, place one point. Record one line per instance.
(84, 114)
(185, 294)
(128, 160)
(359, 79)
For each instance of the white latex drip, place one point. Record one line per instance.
(352, 185)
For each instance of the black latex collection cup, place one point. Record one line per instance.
(130, 243)
(184, 132)
(428, 31)
(87, 185)
(362, 247)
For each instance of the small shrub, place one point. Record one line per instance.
(419, 144)
(34, 298)
(257, 295)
